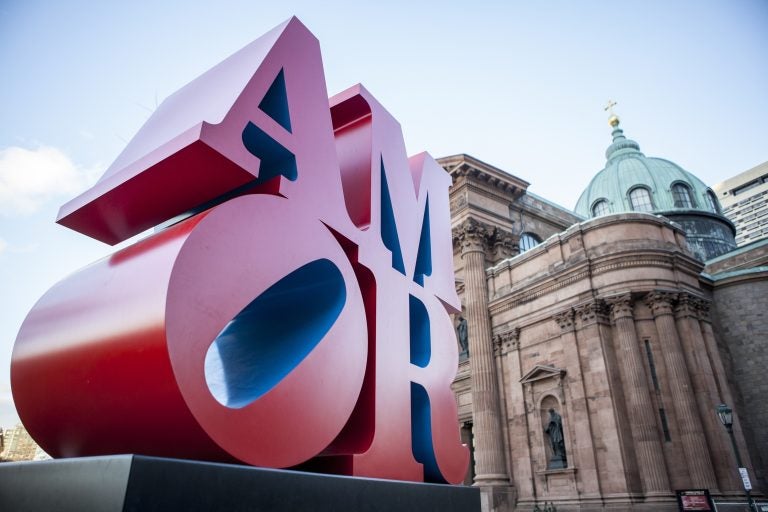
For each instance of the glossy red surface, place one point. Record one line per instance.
(116, 358)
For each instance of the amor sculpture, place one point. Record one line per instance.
(291, 309)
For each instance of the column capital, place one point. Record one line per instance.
(475, 236)
(661, 302)
(620, 305)
(506, 341)
(472, 236)
(502, 244)
(703, 307)
(686, 305)
(564, 320)
(592, 311)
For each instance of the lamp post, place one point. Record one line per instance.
(726, 418)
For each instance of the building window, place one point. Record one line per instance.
(528, 241)
(746, 186)
(712, 203)
(664, 425)
(652, 366)
(657, 389)
(600, 208)
(640, 199)
(681, 194)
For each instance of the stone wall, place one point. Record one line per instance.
(745, 257)
(741, 319)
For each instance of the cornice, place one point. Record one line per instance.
(627, 261)
(527, 294)
(620, 218)
(624, 258)
(527, 291)
(489, 217)
(486, 191)
(724, 280)
(535, 206)
(471, 169)
(540, 215)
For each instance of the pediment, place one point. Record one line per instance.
(541, 372)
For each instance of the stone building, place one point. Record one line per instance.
(615, 325)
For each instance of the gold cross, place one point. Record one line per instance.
(609, 107)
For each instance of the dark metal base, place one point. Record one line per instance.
(123, 483)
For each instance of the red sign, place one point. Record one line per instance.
(695, 499)
(294, 310)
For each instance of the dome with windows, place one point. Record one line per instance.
(632, 181)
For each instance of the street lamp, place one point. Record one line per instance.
(726, 418)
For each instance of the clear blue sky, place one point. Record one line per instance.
(519, 84)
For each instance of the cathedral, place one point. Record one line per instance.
(596, 344)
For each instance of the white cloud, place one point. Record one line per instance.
(31, 177)
(10, 248)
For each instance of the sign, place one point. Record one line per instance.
(694, 499)
(292, 308)
(745, 479)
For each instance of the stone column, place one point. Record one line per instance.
(690, 426)
(702, 378)
(721, 379)
(490, 460)
(645, 434)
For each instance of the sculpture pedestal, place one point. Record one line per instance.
(120, 483)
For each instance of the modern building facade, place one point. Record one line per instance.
(17, 444)
(745, 202)
(607, 320)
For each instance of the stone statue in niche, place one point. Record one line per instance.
(463, 335)
(556, 440)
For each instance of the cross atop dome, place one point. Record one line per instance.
(614, 119)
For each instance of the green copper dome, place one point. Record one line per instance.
(667, 186)
(632, 181)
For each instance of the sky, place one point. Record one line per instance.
(521, 85)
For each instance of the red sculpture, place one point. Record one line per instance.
(293, 309)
